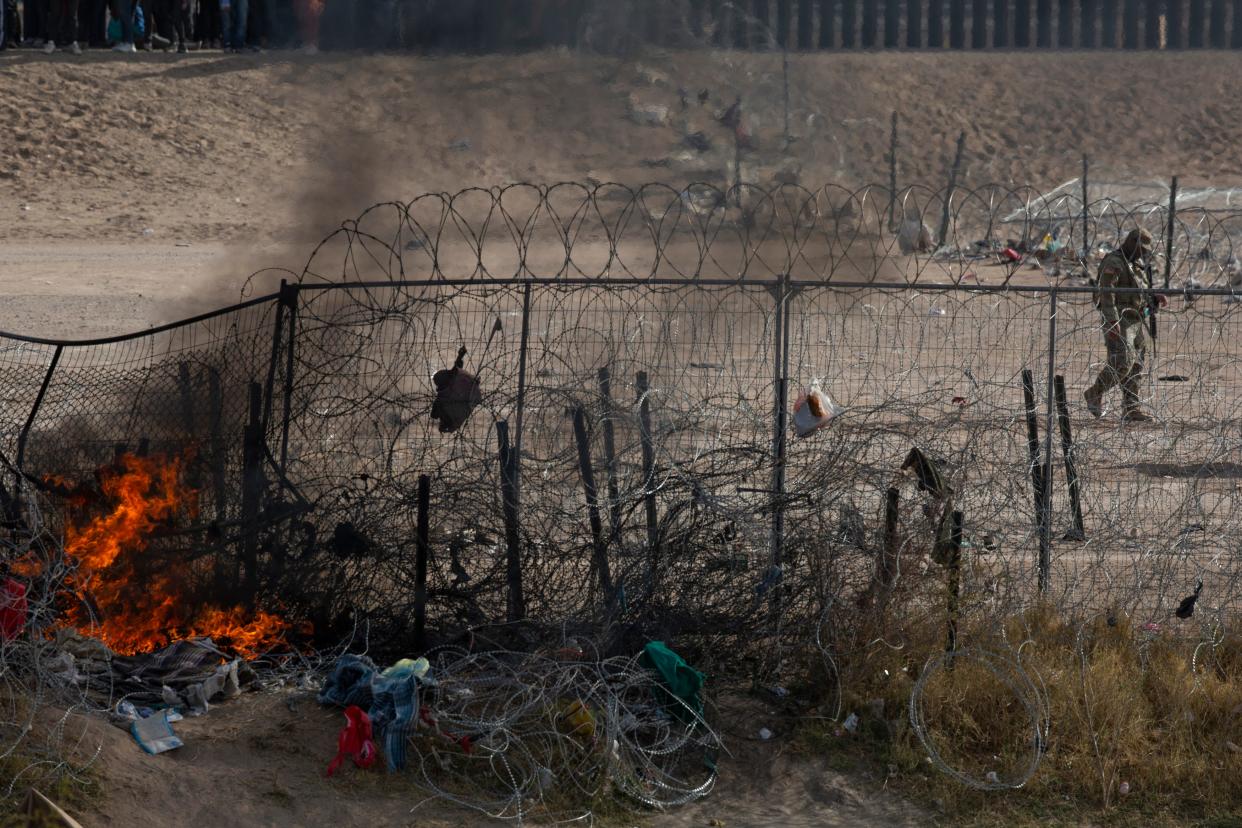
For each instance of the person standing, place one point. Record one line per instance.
(123, 13)
(62, 25)
(233, 14)
(172, 21)
(34, 23)
(207, 24)
(1125, 325)
(93, 23)
(309, 12)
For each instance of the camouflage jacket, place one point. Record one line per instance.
(1116, 271)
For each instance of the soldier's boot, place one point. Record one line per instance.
(1132, 411)
(1095, 401)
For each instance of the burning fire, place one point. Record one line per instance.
(140, 603)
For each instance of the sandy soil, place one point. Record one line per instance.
(136, 191)
(185, 174)
(259, 761)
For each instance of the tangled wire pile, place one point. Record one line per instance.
(558, 738)
(42, 739)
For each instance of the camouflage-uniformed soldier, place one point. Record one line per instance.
(1125, 329)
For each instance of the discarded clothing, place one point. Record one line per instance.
(417, 667)
(13, 609)
(390, 698)
(457, 395)
(355, 741)
(680, 684)
(196, 696)
(1187, 607)
(927, 474)
(186, 674)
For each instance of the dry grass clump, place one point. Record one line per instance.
(1144, 727)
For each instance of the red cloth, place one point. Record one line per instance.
(13, 609)
(355, 741)
(1011, 254)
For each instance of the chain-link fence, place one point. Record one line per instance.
(631, 463)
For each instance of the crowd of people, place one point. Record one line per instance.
(240, 25)
(130, 25)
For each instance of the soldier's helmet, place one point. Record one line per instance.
(1138, 243)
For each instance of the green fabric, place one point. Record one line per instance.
(678, 681)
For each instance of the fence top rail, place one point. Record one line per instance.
(158, 329)
(764, 282)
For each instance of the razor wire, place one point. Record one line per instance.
(665, 304)
(700, 231)
(556, 735)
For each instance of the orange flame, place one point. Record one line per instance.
(141, 611)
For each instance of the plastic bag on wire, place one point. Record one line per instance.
(814, 410)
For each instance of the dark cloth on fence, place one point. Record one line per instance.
(457, 395)
(391, 701)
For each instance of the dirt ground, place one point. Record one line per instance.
(137, 191)
(259, 761)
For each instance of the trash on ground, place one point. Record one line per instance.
(680, 683)
(154, 734)
(354, 741)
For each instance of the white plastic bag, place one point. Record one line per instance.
(814, 410)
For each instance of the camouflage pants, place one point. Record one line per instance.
(1126, 355)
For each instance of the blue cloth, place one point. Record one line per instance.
(394, 715)
(233, 15)
(390, 701)
(125, 18)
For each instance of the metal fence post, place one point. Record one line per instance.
(780, 418)
(289, 295)
(892, 175)
(610, 454)
(1045, 546)
(948, 195)
(1086, 214)
(422, 550)
(24, 435)
(515, 600)
(649, 483)
(1170, 230)
(523, 351)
